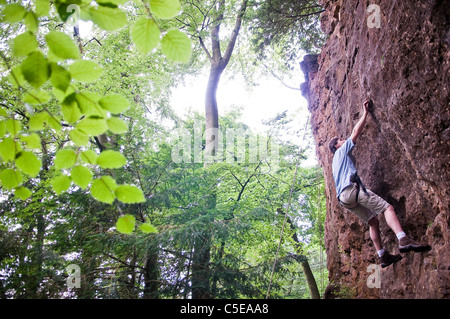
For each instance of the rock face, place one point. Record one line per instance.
(396, 54)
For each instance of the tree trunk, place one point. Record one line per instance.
(211, 111)
(310, 279)
(36, 273)
(312, 285)
(218, 63)
(151, 275)
(200, 267)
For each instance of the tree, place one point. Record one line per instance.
(206, 20)
(292, 26)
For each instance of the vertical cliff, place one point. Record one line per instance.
(401, 62)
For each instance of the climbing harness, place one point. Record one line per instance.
(359, 184)
(287, 208)
(354, 178)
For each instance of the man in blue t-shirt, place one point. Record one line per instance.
(362, 202)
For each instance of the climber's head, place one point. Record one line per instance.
(335, 143)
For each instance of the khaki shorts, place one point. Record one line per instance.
(368, 206)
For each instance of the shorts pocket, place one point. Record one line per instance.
(348, 197)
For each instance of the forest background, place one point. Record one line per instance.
(95, 203)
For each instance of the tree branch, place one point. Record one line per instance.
(235, 32)
(205, 48)
(281, 80)
(215, 42)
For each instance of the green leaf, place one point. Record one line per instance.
(110, 182)
(69, 109)
(60, 95)
(36, 97)
(165, 9)
(28, 163)
(31, 22)
(35, 69)
(32, 141)
(62, 45)
(42, 7)
(116, 125)
(60, 183)
(176, 46)
(108, 19)
(24, 44)
(22, 193)
(13, 126)
(2, 128)
(125, 224)
(145, 34)
(92, 126)
(148, 228)
(54, 122)
(10, 178)
(89, 157)
(88, 102)
(85, 71)
(38, 121)
(16, 76)
(60, 77)
(65, 158)
(78, 137)
(8, 149)
(129, 194)
(14, 13)
(103, 188)
(114, 103)
(111, 159)
(81, 176)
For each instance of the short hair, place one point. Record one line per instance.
(332, 144)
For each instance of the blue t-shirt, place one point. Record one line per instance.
(343, 166)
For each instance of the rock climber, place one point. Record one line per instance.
(362, 202)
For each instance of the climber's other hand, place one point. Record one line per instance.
(366, 106)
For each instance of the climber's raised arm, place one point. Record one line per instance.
(357, 130)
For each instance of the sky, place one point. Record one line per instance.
(260, 103)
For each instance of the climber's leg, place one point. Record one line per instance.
(405, 243)
(385, 257)
(392, 219)
(377, 205)
(374, 230)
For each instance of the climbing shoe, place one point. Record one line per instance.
(388, 259)
(407, 244)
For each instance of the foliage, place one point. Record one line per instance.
(48, 84)
(287, 26)
(87, 174)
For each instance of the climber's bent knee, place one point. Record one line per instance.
(389, 207)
